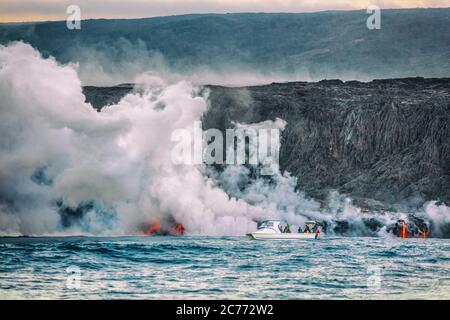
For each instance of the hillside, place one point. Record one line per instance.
(305, 46)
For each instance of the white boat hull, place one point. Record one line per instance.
(282, 236)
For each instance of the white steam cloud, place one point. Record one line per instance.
(118, 158)
(57, 152)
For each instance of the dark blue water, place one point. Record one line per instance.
(223, 268)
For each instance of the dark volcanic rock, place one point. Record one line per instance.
(387, 140)
(100, 97)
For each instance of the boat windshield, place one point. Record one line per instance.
(266, 224)
(311, 225)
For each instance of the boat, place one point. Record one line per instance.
(274, 230)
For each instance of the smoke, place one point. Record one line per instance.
(439, 215)
(99, 70)
(66, 169)
(48, 139)
(123, 60)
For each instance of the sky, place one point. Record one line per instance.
(43, 10)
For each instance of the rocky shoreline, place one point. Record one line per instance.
(385, 143)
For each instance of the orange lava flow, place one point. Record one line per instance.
(176, 229)
(155, 227)
(403, 233)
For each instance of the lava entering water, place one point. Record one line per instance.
(164, 228)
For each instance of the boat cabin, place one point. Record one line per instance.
(280, 226)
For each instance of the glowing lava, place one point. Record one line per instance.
(164, 228)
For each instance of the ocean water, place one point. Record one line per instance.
(223, 268)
